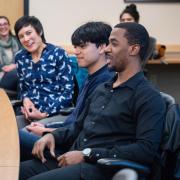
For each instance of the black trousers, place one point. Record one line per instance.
(35, 170)
(10, 81)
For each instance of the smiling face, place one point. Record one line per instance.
(118, 50)
(87, 55)
(4, 28)
(30, 39)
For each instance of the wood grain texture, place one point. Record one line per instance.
(9, 140)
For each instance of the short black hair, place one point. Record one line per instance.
(136, 34)
(132, 10)
(94, 32)
(25, 21)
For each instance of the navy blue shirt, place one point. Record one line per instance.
(92, 81)
(48, 83)
(122, 122)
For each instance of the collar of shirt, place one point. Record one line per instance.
(131, 82)
(91, 76)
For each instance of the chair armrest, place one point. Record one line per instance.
(66, 111)
(11, 94)
(16, 102)
(121, 164)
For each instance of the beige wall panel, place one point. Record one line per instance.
(61, 17)
(13, 9)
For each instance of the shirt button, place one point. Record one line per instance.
(114, 156)
(97, 155)
(84, 139)
(93, 122)
(102, 107)
(112, 90)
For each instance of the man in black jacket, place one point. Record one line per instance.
(123, 118)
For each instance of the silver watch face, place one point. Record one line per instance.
(86, 152)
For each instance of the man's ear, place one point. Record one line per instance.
(134, 49)
(102, 48)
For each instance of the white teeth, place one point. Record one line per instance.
(30, 43)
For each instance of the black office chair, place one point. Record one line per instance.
(168, 167)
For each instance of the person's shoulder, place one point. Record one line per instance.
(147, 85)
(13, 37)
(147, 91)
(52, 47)
(56, 50)
(21, 52)
(103, 74)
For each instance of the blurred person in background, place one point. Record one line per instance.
(9, 45)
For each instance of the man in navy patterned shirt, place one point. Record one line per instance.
(44, 71)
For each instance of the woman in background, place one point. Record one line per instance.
(44, 71)
(129, 14)
(8, 47)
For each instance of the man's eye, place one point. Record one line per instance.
(82, 46)
(114, 44)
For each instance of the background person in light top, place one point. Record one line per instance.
(8, 47)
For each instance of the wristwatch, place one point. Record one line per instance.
(86, 153)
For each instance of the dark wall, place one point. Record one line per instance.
(166, 78)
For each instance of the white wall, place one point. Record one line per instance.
(61, 17)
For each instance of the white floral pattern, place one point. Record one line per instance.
(49, 82)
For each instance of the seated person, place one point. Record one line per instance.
(44, 71)
(9, 45)
(123, 118)
(90, 41)
(130, 14)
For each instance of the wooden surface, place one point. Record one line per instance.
(13, 9)
(169, 58)
(172, 55)
(9, 140)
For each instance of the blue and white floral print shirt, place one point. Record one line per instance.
(49, 82)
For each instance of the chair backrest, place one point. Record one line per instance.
(169, 100)
(151, 49)
(170, 144)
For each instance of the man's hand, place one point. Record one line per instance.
(38, 128)
(46, 141)
(70, 158)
